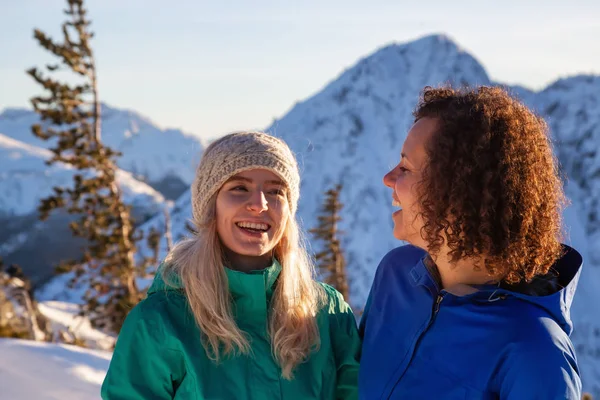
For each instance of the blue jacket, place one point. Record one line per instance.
(500, 342)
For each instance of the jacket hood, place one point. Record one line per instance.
(160, 285)
(554, 291)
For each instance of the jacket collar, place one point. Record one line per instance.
(553, 292)
(251, 292)
(243, 284)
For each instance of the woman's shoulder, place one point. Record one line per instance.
(534, 328)
(397, 264)
(539, 350)
(332, 300)
(161, 315)
(407, 255)
(403, 255)
(330, 292)
(158, 307)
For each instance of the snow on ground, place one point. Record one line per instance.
(43, 371)
(64, 316)
(48, 371)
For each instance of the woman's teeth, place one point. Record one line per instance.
(253, 225)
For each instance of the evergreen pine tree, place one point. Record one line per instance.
(168, 233)
(153, 243)
(71, 114)
(330, 260)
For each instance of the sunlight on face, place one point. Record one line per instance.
(252, 211)
(404, 177)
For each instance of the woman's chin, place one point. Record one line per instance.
(252, 248)
(399, 234)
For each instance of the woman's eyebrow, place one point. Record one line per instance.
(248, 180)
(239, 178)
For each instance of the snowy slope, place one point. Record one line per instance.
(65, 316)
(48, 371)
(584, 311)
(39, 370)
(572, 108)
(180, 214)
(148, 151)
(25, 179)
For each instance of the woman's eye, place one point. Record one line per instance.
(239, 188)
(402, 169)
(276, 192)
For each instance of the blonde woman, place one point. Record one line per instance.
(234, 312)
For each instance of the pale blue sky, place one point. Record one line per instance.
(213, 67)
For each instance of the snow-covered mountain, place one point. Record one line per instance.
(49, 371)
(572, 108)
(24, 180)
(164, 158)
(352, 131)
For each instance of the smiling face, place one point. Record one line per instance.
(403, 180)
(252, 211)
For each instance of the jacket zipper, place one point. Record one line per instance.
(435, 309)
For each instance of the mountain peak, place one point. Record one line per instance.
(149, 152)
(14, 113)
(434, 41)
(428, 43)
(587, 84)
(398, 69)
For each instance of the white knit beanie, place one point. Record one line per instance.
(238, 152)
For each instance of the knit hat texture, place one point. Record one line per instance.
(238, 152)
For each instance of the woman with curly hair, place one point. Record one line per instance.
(234, 312)
(477, 305)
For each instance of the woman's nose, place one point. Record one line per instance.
(257, 202)
(389, 179)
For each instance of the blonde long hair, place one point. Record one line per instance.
(199, 263)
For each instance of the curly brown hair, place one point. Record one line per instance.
(491, 187)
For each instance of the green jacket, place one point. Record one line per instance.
(159, 355)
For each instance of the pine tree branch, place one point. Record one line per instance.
(108, 266)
